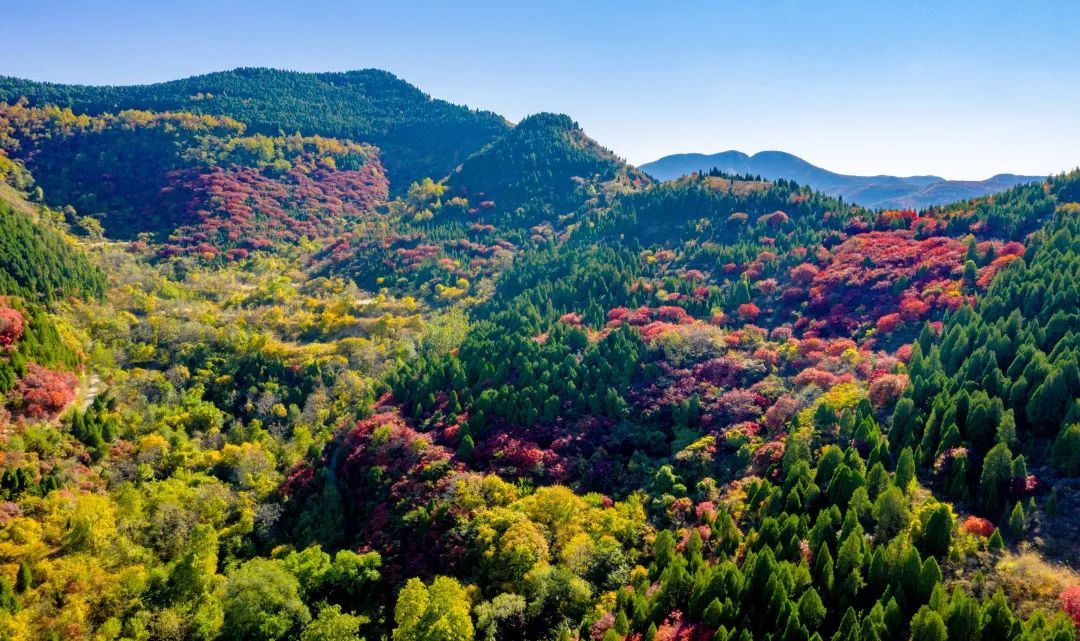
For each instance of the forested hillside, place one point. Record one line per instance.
(542, 171)
(419, 136)
(194, 181)
(251, 393)
(38, 263)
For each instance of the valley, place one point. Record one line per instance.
(319, 357)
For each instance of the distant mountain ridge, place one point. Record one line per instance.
(886, 192)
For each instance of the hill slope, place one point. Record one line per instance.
(195, 180)
(544, 168)
(420, 136)
(38, 263)
(887, 192)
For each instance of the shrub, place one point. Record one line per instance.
(1070, 602)
(888, 323)
(978, 526)
(749, 311)
(804, 273)
(886, 389)
(43, 393)
(11, 327)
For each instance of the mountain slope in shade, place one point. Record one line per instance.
(888, 192)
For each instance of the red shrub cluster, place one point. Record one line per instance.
(674, 628)
(895, 275)
(886, 389)
(780, 412)
(11, 327)
(740, 404)
(987, 274)
(1025, 486)
(978, 526)
(720, 371)
(774, 219)
(1070, 602)
(768, 455)
(793, 295)
(659, 317)
(804, 273)
(839, 346)
(242, 208)
(655, 329)
(641, 316)
(512, 456)
(904, 352)
(385, 440)
(888, 323)
(43, 393)
(601, 626)
(749, 312)
(913, 309)
(300, 483)
(819, 377)
(412, 472)
(673, 314)
(895, 218)
(924, 226)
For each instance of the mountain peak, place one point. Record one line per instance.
(547, 119)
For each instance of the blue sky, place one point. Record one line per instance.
(960, 89)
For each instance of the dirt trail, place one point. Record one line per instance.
(90, 392)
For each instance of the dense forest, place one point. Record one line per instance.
(411, 373)
(38, 263)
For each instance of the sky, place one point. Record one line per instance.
(958, 88)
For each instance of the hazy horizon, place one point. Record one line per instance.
(964, 90)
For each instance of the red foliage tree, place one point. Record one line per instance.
(888, 323)
(839, 346)
(673, 314)
(912, 309)
(780, 412)
(804, 273)
(774, 219)
(823, 379)
(43, 393)
(739, 404)
(886, 389)
(749, 312)
(978, 526)
(1070, 602)
(872, 270)
(11, 327)
(903, 353)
